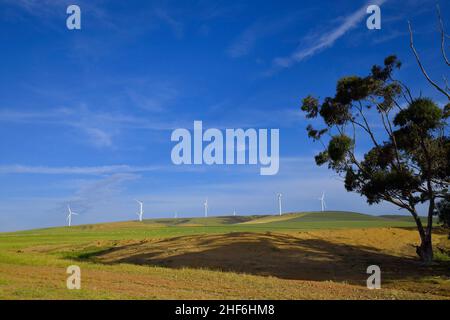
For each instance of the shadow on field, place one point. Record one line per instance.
(269, 254)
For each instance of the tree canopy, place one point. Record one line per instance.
(406, 161)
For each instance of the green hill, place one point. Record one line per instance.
(221, 224)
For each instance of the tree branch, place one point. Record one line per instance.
(441, 27)
(421, 66)
(366, 127)
(391, 135)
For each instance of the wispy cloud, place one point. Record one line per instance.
(326, 40)
(101, 170)
(49, 12)
(209, 10)
(157, 97)
(247, 40)
(175, 25)
(38, 7)
(99, 128)
(96, 170)
(99, 137)
(390, 36)
(92, 194)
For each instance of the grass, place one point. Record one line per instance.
(441, 256)
(85, 253)
(177, 259)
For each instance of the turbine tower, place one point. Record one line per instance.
(206, 207)
(141, 210)
(279, 202)
(234, 213)
(69, 216)
(322, 201)
(176, 214)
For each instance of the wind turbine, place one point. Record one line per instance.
(69, 216)
(322, 201)
(234, 213)
(206, 207)
(176, 214)
(279, 202)
(141, 209)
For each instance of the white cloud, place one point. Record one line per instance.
(99, 137)
(155, 97)
(96, 170)
(98, 128)
(94, 194)
(175, 25)
(325, 40)
(247, 40)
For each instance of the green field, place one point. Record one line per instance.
(185, 226)
(179, 258)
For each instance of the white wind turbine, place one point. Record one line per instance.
(141, 209)
(176, 214)
(234, 213)
(205, 204)
(322, 201)
(69, 216)
(279, 202)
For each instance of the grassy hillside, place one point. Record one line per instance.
(164, 228)
(309, 255)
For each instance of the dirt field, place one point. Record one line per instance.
(326, 255)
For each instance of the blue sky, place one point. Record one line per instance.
(86, 115)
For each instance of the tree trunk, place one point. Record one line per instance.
(425, 250)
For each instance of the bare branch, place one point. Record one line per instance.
(447, 87)
(421, 66)
(408, 96)
(388, 127)
(366, 127)
(441, 27)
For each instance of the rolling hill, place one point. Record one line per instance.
(302, 255)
